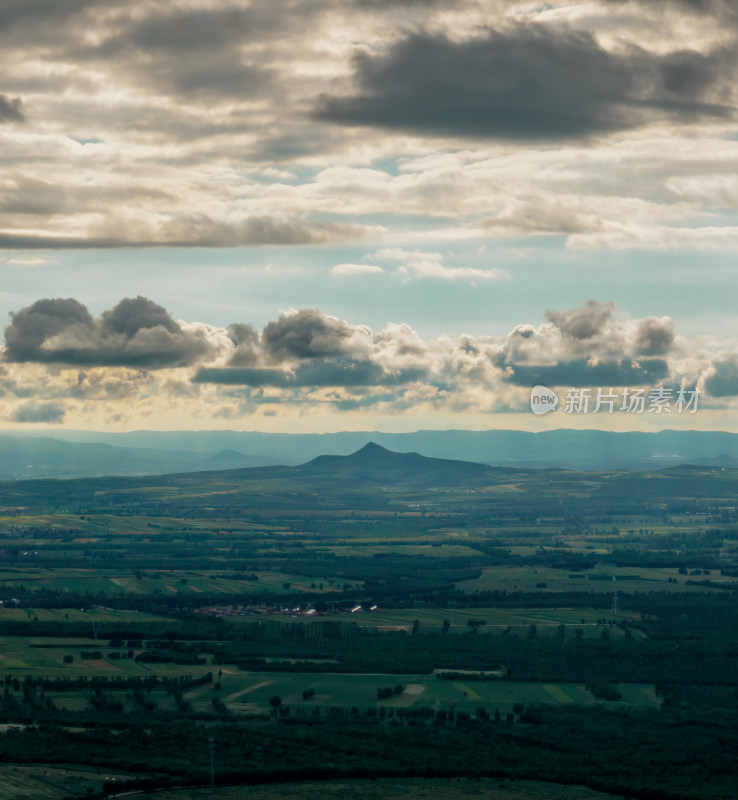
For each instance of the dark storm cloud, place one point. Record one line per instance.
(17, 13)
(307, 334)
(11, 109)
(197, 30)
(316, 373)
(33, 325)
(722, 381)
(530, 82)
(246, 340)
(136, 333)
(625, 372)
(198, 52)
(583, 322)
(654, 336)
(38, 412)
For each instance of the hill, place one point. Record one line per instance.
(377, 465)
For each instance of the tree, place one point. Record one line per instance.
(416, 625)
(275, 702)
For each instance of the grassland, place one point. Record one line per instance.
(393, 789)
(114, 582)
(246, 693)
(547, 621)
(250, 692)
(521, 549)
(603, 578)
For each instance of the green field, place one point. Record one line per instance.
(519, 619)
(192, 582)
(77, 615)
(603, 578)
(250, 692)
(393, 789)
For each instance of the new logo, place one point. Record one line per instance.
(543, 400)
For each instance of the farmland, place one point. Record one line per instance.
(454, 623)
(386, 789)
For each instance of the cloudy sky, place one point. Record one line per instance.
(314, 215)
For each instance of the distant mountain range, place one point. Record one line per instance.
(60, 454)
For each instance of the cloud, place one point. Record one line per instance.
(173, 124)
(311, 333)
(28, 261)
(584, 322)
(11, 109)
(38, 412)
(654, 335)
(625, 372)
(713, 7)
(196, 54)
(416, 264)
(196, 230)
(136, 333)
(356, 269)
(528, 82)
(594, 344)
(721, 379)
(134, 363)
(316, 373)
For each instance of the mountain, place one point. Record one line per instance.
(233, 459)
(374, 477)
(81, 453)
(377, 465)
(358, 479)
(44, 457)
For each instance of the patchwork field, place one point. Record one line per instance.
(392, 789)
(121, 582)
(547, 621)
(250, 692)
(603, 578)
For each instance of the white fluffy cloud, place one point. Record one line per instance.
(306, 361)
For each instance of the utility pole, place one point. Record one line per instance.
(211, 741)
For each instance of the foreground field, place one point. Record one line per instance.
(519, 619)
(250, 693)
(389, 789)
(603, 578)
(114, 582)
(31, 782)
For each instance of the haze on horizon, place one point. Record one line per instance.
(316, 215)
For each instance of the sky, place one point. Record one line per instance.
(320, 215)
